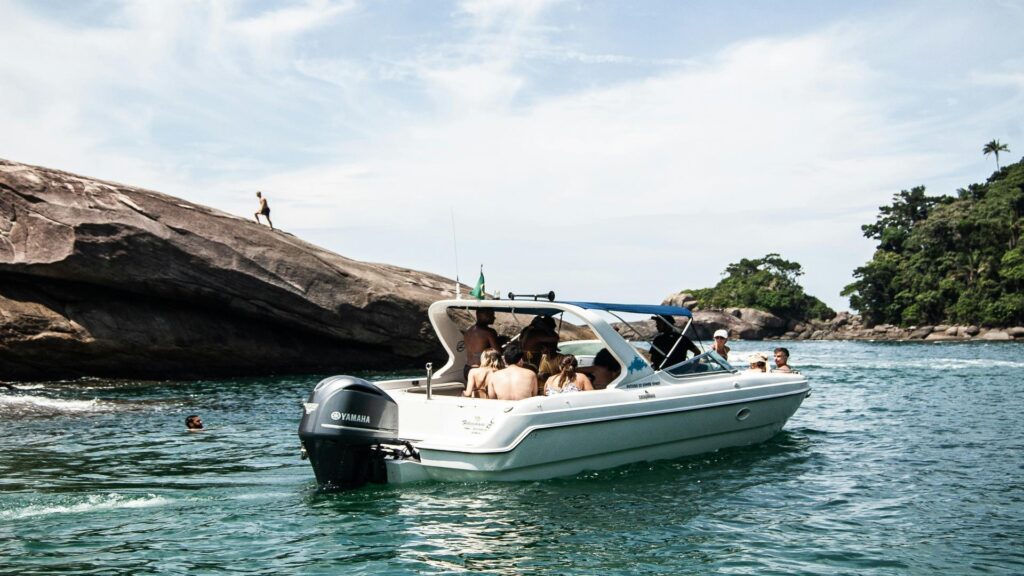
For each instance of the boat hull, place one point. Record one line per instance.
(606, 441)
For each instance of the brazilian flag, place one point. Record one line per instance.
(480, 289)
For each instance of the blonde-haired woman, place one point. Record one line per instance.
(476, 380)
(568, 378)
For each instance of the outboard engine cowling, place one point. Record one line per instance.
(345, 421)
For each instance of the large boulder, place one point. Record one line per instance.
(684, 299)
(767, 321)
(940, 336)
(920, 333)
(841, 319)
(98, 278)
(706, 322)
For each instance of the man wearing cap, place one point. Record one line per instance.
(665, 343)
(721, 337)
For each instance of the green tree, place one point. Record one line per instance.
(895, 222)
(769, 283)
(994, 147)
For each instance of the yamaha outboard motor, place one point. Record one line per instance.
(345, 421)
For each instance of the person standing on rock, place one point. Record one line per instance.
(264, 210)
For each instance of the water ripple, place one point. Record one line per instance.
(906, 459)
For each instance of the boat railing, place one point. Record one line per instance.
(430, 377)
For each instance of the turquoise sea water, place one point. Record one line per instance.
(907, 459)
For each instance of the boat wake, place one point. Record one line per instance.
(93, 503)
(16, 405)
(918, 364)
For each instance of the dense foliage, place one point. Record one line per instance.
(768, 283)
(944, 260)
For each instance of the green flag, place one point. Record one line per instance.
(480, 289)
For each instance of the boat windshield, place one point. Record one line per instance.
(707, 363)
(581, 347)
(592, 347)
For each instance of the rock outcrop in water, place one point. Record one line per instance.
(102, 279)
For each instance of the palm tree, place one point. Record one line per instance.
(995, 147)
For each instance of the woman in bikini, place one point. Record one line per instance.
(476, 380)
(568, 378)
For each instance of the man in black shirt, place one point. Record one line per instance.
(664, 344)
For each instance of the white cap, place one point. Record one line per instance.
(722, 334)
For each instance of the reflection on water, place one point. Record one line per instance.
(905, 459)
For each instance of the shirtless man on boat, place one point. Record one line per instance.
(479, 337)
(513, 382)
(539, 338)
(782, 360)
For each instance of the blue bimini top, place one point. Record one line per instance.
(653, 309)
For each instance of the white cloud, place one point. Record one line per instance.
(505, 13)
(291, 20)
(475, 86)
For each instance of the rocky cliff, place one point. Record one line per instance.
(102, 279)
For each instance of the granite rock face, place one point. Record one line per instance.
(102, 279)
(706, 322)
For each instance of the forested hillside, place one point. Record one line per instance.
(947, 260)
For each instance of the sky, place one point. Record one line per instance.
(609, 151)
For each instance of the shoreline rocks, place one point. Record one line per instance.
(751, 324)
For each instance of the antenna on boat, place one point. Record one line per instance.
(455, 247)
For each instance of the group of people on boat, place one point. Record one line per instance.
(759, 361)
(507, 376)
(531, 365)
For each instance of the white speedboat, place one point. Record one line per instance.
(423, 428)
